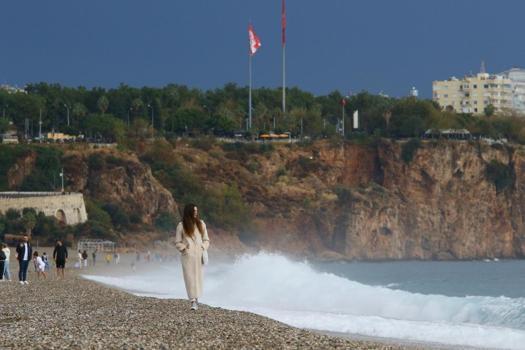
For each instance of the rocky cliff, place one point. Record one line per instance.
(368, 202)
(383, 200)
(109, 176)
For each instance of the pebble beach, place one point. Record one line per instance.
(78, 314)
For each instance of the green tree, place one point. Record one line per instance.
(166, 221)
(106, 126)
(489, 110)
(79, 110)
(4, 125)
(103, 104)
(29, 220)
(138, 105)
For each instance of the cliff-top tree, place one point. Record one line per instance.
(489, 110)
(103, 104)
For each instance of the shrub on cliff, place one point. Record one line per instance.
(225, 207)
(45, 174)
(119, 218)
(501, 175)
(166, 221)
(96, 213)
(306, 166)
(408, 150)
(241, 151)
(8, 157)
(96, 162)
(203, 143)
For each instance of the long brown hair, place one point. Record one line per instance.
(189, 222)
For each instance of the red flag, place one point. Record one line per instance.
(255, 42)
(283, 22)
(343, 102)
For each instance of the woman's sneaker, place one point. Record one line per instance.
(194, 305)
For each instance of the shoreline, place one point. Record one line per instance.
(76, 313)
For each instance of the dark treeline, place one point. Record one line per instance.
(175, 110)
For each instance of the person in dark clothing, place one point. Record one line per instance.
(24, 254)
(60, 257)
(2, 264)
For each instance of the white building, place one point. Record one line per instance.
(517, 78)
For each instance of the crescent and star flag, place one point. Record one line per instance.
(255, 42)
(283, 22)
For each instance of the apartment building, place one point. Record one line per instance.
(473, 93)
(517, 76)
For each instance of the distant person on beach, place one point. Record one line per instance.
(60, 257)
(45, 260)
(191, 239)
(2, 263)
(5, 272)
(79, 260)
(108, 259)
(94, 256)
(24, 252)
(85, 258)
(40, 266)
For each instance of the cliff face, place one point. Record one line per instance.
(440, 205)
(332, 201)
(366, 202)
(114, 177)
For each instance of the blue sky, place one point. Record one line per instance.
(374, 45)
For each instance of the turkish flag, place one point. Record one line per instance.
(255, 42)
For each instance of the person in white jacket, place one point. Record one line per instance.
(191, 239)
(6, 273)
(40, 266)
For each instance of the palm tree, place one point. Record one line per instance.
(79, 110)
(103, 104)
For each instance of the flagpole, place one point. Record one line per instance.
(284, 81)
(249, 126)
(283, 38)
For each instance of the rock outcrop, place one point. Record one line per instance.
(109, 176)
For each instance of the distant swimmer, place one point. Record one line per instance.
(191, 239)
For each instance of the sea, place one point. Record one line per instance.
(467, 304)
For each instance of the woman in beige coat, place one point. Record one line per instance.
(191, 239)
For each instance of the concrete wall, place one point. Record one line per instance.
(67, 207)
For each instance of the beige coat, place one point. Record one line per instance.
(191, 249)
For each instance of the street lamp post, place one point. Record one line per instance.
(67, 108)
(40, 127)
(62, 178)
